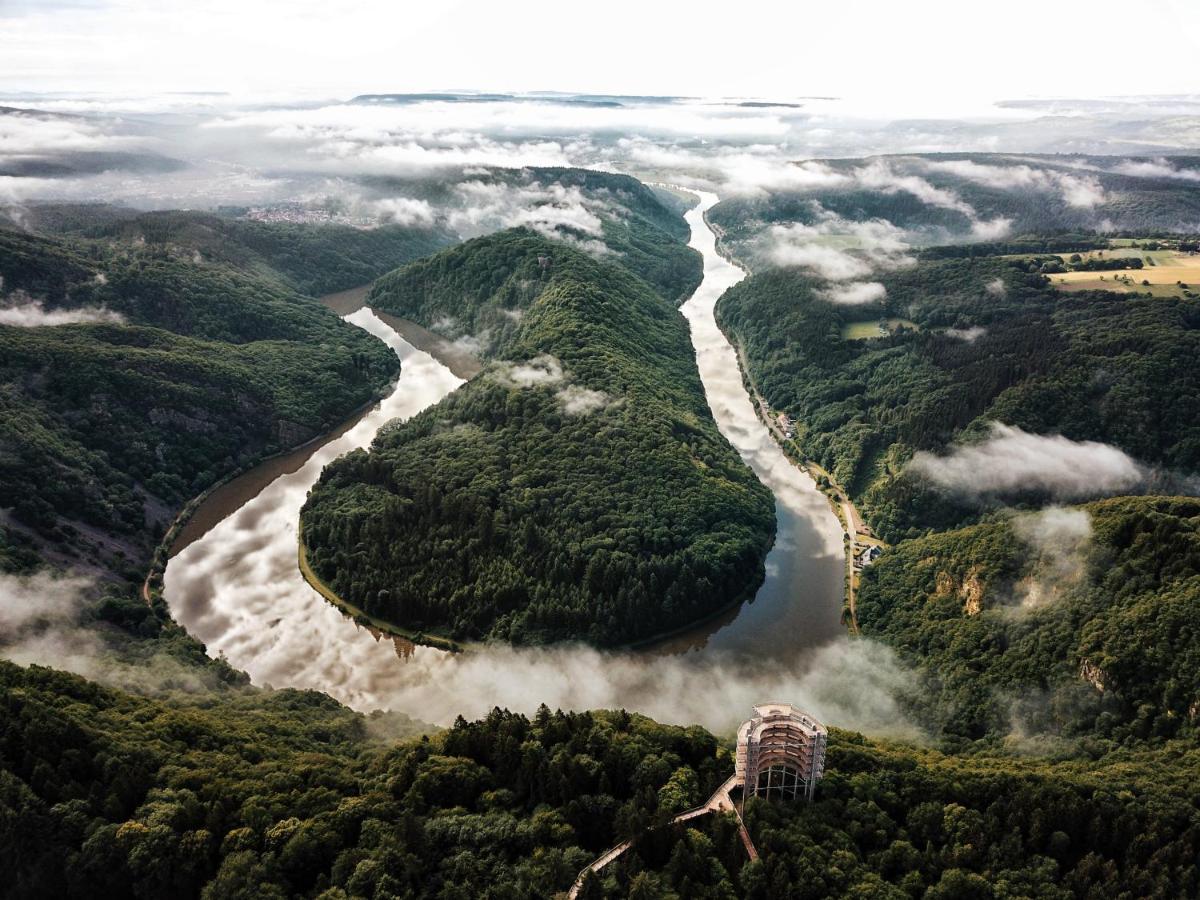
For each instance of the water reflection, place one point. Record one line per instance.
(238, 589)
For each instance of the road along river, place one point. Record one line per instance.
(237, 587)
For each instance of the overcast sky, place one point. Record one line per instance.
(932, 52)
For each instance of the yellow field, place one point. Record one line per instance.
(1170, 267)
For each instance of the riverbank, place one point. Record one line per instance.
(233, 490)
(362, 617)
(855, 532)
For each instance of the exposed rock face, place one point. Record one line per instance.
(969, 590)
(1092, 674)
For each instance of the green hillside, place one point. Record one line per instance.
(108, 427)
(238, 792)
(308, 258)
(1034, 194)
(1089, 365)
(1099, 643)
(577, 489)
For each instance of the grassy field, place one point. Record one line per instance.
(874, 328)
(1163, 269)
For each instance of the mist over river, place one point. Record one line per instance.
(238, 588)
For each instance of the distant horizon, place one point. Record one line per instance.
(930, 50)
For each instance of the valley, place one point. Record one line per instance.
(432, 495)
(238, 587)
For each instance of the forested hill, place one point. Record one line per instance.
(578, 488)
(247, 793)
(1090, 636)
(975, 341)
(604, 213)
(309, 258)
(949, 197)
(132, 379)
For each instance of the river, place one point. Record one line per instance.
(236, 586)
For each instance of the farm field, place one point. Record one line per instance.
(1163, 269)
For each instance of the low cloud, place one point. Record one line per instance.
(1058, 538)
(553, 210)
(541, 370)
(996, 287)
(991, 229)
(1156, 168)
(1011, 461)
(32, 314)
(855, 293)
(796, 245)
(837, 249)
(405, 211)
(42, 622)
(580, 401)
(1082, 191)
(970, 335)
(879, 175)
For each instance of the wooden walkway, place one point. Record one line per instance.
(720, 801)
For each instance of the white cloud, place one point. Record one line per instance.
(1010, 460)
(1080, 191)
(576, 400)
(793, 245)
(405, 211)
(541, 370)
(991, 230)
(835, 248)
(1059, 538)
(1157, 168)
(855, 293)
(1084, 192)
(996, 287)
(970, 335)
(553, 210)
(32, 314)
(879, 175)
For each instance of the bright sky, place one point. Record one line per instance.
(940, 52)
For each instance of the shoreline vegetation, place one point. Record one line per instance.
(365, 619)
(151, 587)
(631, 359)
(839, 499)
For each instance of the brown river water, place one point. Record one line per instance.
(234, 583)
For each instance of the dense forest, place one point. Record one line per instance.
(237, 792)
(177, 374)
(940, 198)
(1091, 637)
(308, 258)
(641, 229)
(579, 488)
(987, 340)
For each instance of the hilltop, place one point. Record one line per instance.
(577, 489)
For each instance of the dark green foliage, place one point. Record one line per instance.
(500, 513)
(111, 426)
(1040, 208)
(1008, 642)
(893, 822)
(312, 259)
(636, 227)
(1091, 366)
(286, 793)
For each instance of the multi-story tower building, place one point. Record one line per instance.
(780, 752)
